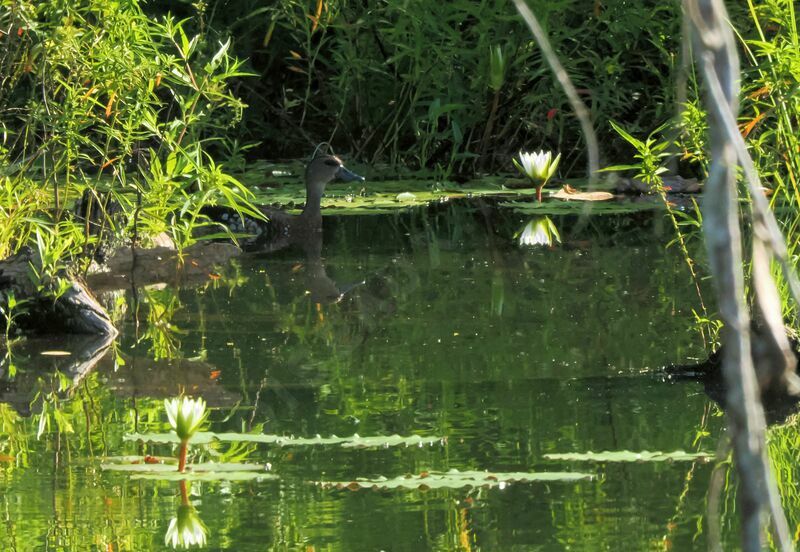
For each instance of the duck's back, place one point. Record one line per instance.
(251, 233)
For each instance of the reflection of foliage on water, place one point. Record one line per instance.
(13, 443)
(783, 443)
(366, 365)
(160, 331)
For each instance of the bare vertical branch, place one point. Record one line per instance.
(715, 51)
(569, 89)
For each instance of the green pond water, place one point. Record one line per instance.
(445, 329)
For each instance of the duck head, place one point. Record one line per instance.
(326, 168)
(320, 171)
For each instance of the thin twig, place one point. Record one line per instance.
(581, 112)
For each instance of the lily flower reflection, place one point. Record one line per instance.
(186, 530)
(539, 231)
(539, 167)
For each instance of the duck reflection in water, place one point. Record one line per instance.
(304, 231)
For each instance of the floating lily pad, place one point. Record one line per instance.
(454, 479)
(620, 207)
(630, 456)
(206, 476)
(133, 460)
(354, 441)
(206, 471)
(383, 196)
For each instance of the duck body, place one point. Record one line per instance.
(778, 398)
(281, 229)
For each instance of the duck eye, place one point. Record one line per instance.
(331, 163)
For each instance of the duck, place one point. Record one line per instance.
(280, 229)
(779, 392)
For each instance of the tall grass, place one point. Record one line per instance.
(772, 110)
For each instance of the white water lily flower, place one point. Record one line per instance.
(540, 231)
(538, 166)
(185, 415)
(186, 530)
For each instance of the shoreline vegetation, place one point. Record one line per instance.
(123, 121)
(160, 113)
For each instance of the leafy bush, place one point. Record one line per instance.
(411, 82)
(97, 94)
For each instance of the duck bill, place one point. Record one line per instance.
(346, 175)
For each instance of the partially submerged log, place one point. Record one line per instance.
(46, 307)
(672, 184)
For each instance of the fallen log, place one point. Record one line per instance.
(60, 304)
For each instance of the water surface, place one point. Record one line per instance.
(431, 323)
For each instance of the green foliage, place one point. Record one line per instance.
(95, 94)
(770, 115)
(649, 166)
(413, 83)
(649, 153)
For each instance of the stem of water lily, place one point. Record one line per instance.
(539, 193)
(182, 456)
(184, 493)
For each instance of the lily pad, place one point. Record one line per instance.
(620, 207)
(630, 456)
(381, 197)
(355, 441)
(454, 479)
(205, 471)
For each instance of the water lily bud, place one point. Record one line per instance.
(497, 68)
(540, 231)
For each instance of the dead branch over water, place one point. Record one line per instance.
(715, 53)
